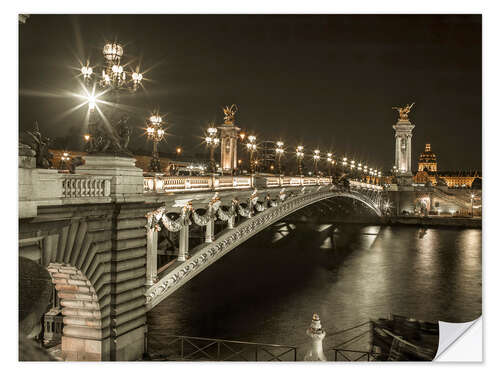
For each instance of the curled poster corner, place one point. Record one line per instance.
(449, 333)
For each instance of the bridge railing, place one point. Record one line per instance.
(364, 185)
(187, 348)
(164, 184)
(78, 186)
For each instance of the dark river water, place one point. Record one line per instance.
(267, 289)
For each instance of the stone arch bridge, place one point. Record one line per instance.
(96, 232)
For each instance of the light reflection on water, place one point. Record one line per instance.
(267, 289)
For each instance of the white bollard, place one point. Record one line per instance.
(317, 334)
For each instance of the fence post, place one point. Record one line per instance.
(317, 334)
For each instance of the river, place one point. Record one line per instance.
(267, 289)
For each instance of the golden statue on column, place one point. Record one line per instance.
(229, 113)
(403, 111)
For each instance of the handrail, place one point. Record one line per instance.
(220, 345)
(165, 184)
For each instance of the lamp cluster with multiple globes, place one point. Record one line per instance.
(211, 139)
(113, 74)
(154, 129)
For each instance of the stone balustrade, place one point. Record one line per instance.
(167, 184)
(364, 185)
(77, 186)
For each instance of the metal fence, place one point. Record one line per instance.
(187, 348)
(347, 355)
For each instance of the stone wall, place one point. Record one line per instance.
(96, 255)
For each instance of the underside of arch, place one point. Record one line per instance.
(82, 332)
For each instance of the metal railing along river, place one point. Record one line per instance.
(187, 348)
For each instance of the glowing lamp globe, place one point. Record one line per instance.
(112, 51)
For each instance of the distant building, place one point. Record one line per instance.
(428, 173)
(427, 160)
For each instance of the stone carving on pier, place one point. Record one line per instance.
(40, 145)
(404, 111)
(211, 212)
(109, 138)
(160, 215)
(230, 214)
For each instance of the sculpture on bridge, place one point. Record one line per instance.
(404, 111)
(105, 139)
(40, 145)
(229, 113)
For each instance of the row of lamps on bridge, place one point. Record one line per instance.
(114, 77)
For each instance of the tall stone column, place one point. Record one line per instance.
(403, 129)
(229, 140)
(228, 149)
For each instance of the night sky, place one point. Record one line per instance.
(328, 82)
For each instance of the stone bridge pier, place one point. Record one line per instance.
(89, 232)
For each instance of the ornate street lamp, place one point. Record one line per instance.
(279, 154)
(344, 162)
(65, 158)
(251, 147)
(472, 205)
(155, 133)
(330, 162)
(316, 158)
(212, 143)
(300, 157)
(113, 79)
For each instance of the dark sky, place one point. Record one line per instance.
(324, 81)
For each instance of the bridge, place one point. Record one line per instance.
(96, 232)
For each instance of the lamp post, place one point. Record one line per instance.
(212, 143)
(113, 80)
(155, 133)
(279, 153)
(300, 157)
(344, 164)
(330, 162)
(316, 158)
(65, 158)
(472, 205)
(251, 147)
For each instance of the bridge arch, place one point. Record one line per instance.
(77, 254)
(204, 255)
(82, 317)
